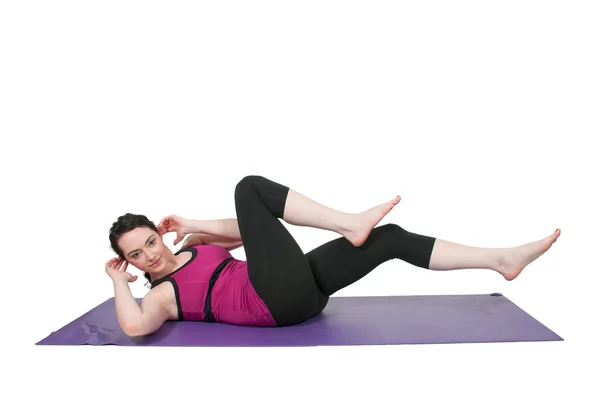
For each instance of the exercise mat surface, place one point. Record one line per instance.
(371, 320)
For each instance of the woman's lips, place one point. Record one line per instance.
(156, 262)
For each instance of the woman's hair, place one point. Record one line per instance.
(126, 223)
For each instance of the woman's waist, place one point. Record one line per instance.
(233, 291)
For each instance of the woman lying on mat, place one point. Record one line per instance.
(277, 284)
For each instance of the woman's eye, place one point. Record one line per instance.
(136, 254)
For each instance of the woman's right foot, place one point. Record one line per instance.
(363, 223)
(514, 260)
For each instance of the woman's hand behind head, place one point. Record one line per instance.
(116, 268)
(173, 223)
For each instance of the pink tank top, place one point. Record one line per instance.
(232, 298)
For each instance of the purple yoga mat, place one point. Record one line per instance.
(374, 320)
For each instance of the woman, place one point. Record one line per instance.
(277, 285)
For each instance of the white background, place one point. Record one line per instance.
(481, 115)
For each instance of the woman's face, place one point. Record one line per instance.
(144, 249)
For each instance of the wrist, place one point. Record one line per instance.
(118, 281)
(189, 227)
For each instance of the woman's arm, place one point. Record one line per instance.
(209, 239)
(135, 320)
(224, 233)
(225, 228)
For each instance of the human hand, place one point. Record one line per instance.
(116, 269)
(176, 224)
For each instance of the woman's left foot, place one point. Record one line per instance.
(364, 222)
(515, 259)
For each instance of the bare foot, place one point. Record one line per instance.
(364, 222)
(515, 259)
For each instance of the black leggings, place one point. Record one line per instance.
(296, 286)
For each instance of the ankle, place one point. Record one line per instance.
(348, 222)
(500, 259)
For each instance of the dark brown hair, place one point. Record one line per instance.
(126, 223)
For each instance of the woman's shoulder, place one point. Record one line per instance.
(165, 292)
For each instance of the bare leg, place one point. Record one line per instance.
(509, 262)
(303, 211)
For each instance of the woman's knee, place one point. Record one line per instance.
(246, 184)
(250, 180)
(392, 228)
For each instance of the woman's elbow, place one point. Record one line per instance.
(132, 330)
(138, 329)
